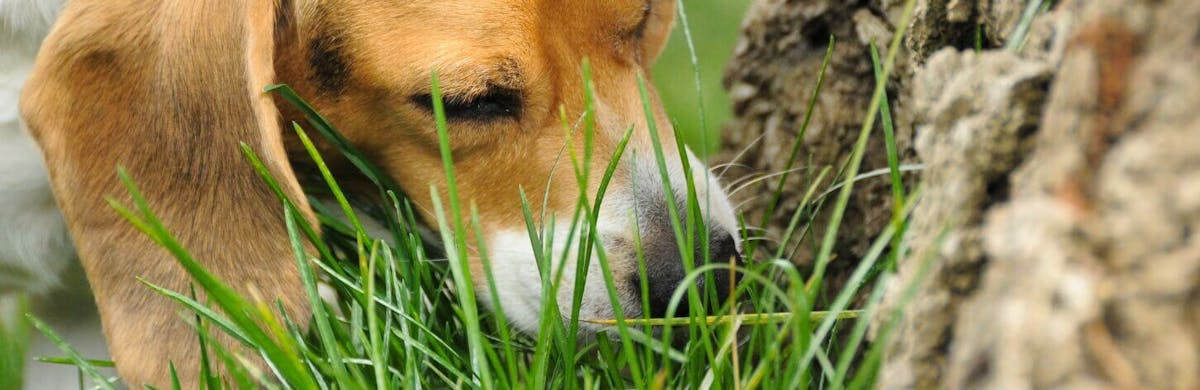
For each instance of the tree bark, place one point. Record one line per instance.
(1055, 242)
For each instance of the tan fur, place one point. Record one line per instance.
(469, 44)
(168, 88)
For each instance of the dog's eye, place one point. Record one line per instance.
(496, 103)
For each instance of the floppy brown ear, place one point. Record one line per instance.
(166, 89)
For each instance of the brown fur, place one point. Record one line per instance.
(169, 88)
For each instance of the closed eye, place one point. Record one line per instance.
(494, 104)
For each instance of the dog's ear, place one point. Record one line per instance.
(168, 90)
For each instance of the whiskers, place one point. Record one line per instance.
(732, 163)
(750, 180)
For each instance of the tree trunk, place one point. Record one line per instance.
(1055, 241)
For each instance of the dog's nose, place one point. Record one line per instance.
(665, 272)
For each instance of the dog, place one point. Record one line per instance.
(170, 89)
(34, 245)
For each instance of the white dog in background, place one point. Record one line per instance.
(35, 247)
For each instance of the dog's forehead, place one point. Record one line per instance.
(614, 13)
(573, 22)
(475, 43)
(484, 15)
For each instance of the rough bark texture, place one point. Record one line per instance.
(771, 81)
(1061, 183)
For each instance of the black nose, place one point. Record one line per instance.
(665, 271)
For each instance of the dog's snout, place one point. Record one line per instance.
(665, 272)
(723, 249)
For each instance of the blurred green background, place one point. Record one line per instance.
(714, 25)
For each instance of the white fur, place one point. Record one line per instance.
(714, 202)
(516, 274)
(34, 244)
(23, 23)
(519, 284)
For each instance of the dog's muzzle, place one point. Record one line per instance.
(668, 272)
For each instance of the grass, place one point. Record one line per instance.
(409, 318)
(688, 75)
(14, 341)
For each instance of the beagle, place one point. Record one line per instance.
(169, 89)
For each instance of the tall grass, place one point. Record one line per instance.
(689, 72)
(409, 317)
(14, 340)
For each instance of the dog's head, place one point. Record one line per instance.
(510, 70)
(168, 89)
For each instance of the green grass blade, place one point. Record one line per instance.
(279, 356)
(204, 312)
(454, 236)
(858, 334)
(889, 137)
(98, 363)
(329, 180)
(825, 254)
(14, 340)
(322, 125)
(745, 319)
(84, 365)
(869, 367)
(853, 283)
(777, 195)
(499, 320)
(321, 318)
(694, 59)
